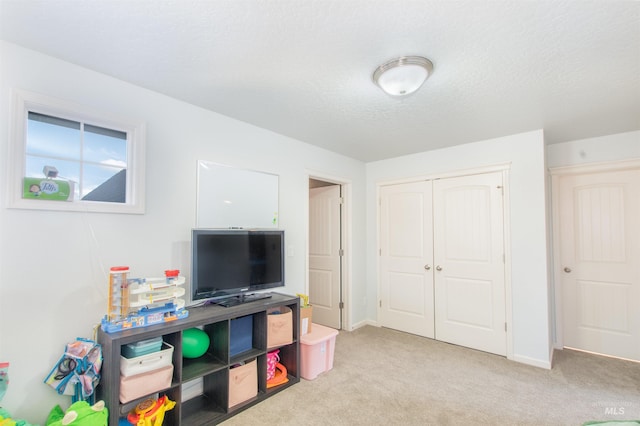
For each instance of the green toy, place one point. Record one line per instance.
(6, 420)
(5, 416)
(195, 343)
(80, 413)
(4, 378)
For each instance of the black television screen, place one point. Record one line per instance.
(226, 263)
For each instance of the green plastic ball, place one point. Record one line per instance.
(195, 343)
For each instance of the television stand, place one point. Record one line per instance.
(243, 298)
(213, 369)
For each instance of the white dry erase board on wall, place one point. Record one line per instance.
(229, 197)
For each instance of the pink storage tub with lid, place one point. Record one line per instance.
(316, 351)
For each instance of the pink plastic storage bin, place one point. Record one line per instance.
(316, 351)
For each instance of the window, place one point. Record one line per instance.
(68, 158)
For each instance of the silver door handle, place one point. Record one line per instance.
(438, 268)
(567, 269)
(427, 267)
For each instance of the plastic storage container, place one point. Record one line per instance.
(142, 364)
(316, 351)
(142, 347)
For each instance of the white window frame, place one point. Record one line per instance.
(23, 102)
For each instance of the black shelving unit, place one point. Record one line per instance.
(211, 407)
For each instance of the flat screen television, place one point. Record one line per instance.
(229, 265)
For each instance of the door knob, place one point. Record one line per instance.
(427, 267)
(567, 269)
(438, 268)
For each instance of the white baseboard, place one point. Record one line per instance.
(546, 364)
(363, 323)
(551, 352)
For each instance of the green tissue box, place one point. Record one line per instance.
(47, 189)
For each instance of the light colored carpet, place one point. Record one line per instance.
(385, 377)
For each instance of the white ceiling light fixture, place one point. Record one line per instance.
(404, 75)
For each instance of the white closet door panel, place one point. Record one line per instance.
(478, 311)
(406, 253)
(469, 262)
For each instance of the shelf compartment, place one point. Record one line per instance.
(240, 335)
(135, 387)
(275, 389)
(244, 356)
(171, 417)
(201, 410)
(289, 357)
(199, 367)
(243, 384)
(219, 340)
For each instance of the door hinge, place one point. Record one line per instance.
(341, 305)
(505, 326)
(341, 252)
(380, 303)
(341, 200)
(379, 252)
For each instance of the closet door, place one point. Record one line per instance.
(469, 262)
(406, 253)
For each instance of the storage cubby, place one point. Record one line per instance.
(243, 326)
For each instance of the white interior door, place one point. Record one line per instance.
(406, 253)
(324, 255)
(469, 262)
(600, 257)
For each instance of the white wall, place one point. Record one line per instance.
(621, 146)
(53, 270)
(525, 153)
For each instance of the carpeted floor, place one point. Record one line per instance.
(385, 377)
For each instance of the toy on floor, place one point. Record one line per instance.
(150, 412)
(4, 378)
(5, 417)
(6, 420)
(79, 414)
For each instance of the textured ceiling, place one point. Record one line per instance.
(302, 68)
